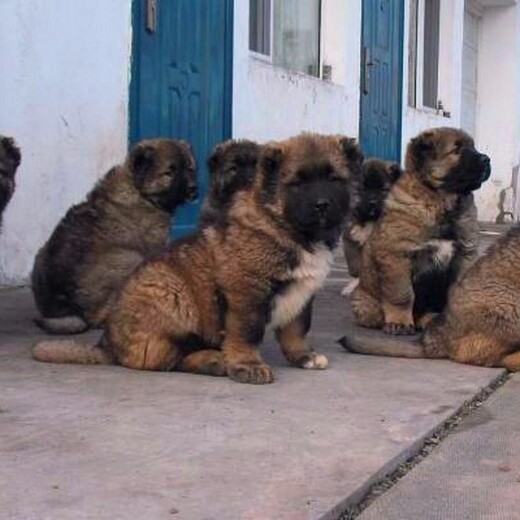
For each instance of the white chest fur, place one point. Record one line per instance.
(443, 251)
(304, 282)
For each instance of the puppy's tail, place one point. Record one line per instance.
(66, 325)
(70, 351)
(391, 346)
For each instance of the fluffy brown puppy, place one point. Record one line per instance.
(481, 323)
(99, 242)
(203, 306)
(10, 159)
(425, 236)
(232, 167)
(368, 195)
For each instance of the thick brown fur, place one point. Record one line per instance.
(368, 195)
(10, 158)
(232, 167)
(203, 306)
(426, 235)
(481, 323)
(98, 244)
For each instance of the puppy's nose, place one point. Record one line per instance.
(192, 191)
(322, 205)
(484, 160)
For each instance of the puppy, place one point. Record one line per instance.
(203, 306)
(232, 167)
(10, 158)
(99, 242)
(425, 236)
(481, 323)
(369, 192)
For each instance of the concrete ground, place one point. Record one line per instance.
(474, 474)
(100, 443)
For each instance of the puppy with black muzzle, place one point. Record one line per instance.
(98, 243)
(368, 194)
(426, 235)
(10, 158)
(203, 306)
(232, 168)
(480, 324)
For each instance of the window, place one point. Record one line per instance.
(260, 26)
(424, 47)
(287, 32)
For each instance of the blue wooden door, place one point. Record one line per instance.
(381, 78)
(181, 80)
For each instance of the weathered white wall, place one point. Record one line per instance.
(64, 74)
(273, 103)
(498, 105)
(415, 120)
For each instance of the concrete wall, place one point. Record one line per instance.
(272, 103)
(64, 73)
(498, 106)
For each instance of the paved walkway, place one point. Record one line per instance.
(473, 475)
(109, 443)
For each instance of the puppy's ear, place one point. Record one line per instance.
(12, 150)
(142, 159)
(421, 147)
(394, 172)
(270, 163)
(352, 152)
(216, 158)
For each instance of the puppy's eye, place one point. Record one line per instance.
(294, 184)
(458, 147)
(336, 178)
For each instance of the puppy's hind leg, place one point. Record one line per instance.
(367, 311)
(511, 362)
(149, 352)
(65, 325)
(479, 349)
(205, 362)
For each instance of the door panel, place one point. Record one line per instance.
(381, 85)
(181, 81)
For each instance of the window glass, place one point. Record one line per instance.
(431, 53)
(260, 26)
(296, 35)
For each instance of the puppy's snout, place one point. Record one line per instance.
(484, 159)
(485, 162)
(322, 205)
(192, 191)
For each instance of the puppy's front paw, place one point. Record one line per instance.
(313, 361)
(252, 373)
(399, 329)
(350, 287)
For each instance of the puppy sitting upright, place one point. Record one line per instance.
(98, 243)
(10, 159)
(203, 307)
(369, 192)
(232, 168)
(426, 234)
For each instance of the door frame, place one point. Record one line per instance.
(400, 81)
(138, 10)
